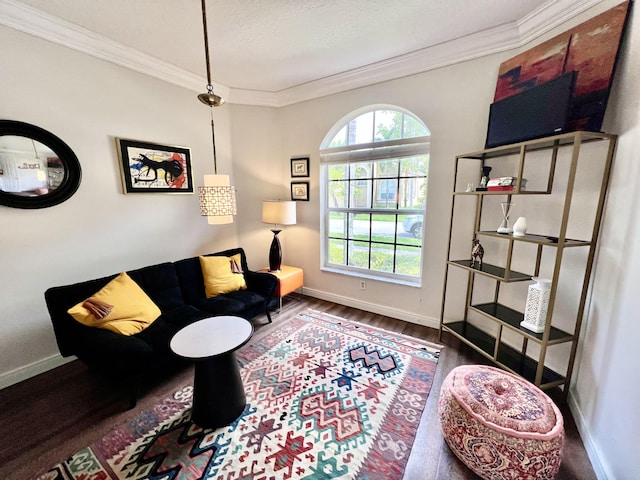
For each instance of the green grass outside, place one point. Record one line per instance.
(407, 259)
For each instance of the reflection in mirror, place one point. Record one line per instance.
(28, 167)
(37, 169)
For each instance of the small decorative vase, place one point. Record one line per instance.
(506, 209)
(535, 313)
(520, 227)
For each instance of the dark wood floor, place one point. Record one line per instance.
(49, 417)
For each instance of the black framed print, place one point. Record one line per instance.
(154, 168)
(300, 191)
(300, 167)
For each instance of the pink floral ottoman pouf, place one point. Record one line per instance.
(500, 425)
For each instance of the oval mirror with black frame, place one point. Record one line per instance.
(37, 169)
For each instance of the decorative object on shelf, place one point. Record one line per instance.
(506, 210)
(505, 184)
(300, 191)
(535, 313)
(277, 212)
(477, 252)
(149, 167)
(300, 167)
(520, 227)
(217, 196)
(486, 170)
(470, 188)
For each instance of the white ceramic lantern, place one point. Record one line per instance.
(535, 313)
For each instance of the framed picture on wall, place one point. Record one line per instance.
(153, 168)
(300, 191)
(300, 167)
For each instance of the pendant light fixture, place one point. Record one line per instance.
(217, 197)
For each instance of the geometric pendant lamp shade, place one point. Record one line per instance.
(217, 199)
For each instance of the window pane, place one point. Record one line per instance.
(388, 125)
(337, 225)
(361, 170)
(337, 172)
(361, 129)
(412, 192)
(337, 251)
(383, 228)
(358, 254)
(410, 229)
(408, 261)
(386, 193)
(382, 257)
(360, 226)
(414, 166)
(386, 168)
(360, 195)
(414, 127)
(340, 140)
(337, 194)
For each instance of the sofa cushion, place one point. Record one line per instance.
(243, 303)
(132, 312)
(219, 277)
(183, 316)
(161, 283)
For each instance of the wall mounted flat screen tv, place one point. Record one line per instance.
(534, 113)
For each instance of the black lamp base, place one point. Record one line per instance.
(275, 253)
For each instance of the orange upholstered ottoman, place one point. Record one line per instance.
(500, 425)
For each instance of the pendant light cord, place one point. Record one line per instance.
(206, 41)
(209, 85)
(213, 139)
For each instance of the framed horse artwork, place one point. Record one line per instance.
(149, 167)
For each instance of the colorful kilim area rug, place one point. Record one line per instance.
(326, 398)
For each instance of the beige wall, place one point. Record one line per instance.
(443, 100)
(100, 231)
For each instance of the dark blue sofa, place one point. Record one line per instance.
(178, 290)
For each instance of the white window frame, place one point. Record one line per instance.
(356, 153)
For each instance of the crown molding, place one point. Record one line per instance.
(553, 13)
(34, 22)
(549, 16)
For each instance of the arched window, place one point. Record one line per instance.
(374, 166)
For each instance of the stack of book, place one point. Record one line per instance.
(505, 184)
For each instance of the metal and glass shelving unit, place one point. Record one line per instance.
(490, 326)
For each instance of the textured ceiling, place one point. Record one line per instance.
(274, 45)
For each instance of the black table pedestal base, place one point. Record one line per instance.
(218, 393)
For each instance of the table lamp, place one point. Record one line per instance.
(277, 212)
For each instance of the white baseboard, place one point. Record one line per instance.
(373, 307)
(598, 462)
(36, 368)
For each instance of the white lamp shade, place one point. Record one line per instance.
(279, 212)
(217, 199)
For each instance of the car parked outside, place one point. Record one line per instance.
(413, 224)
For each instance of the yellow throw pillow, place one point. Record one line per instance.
(132, 311)
(219, 277)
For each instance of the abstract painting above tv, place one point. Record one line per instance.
(591, 49)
